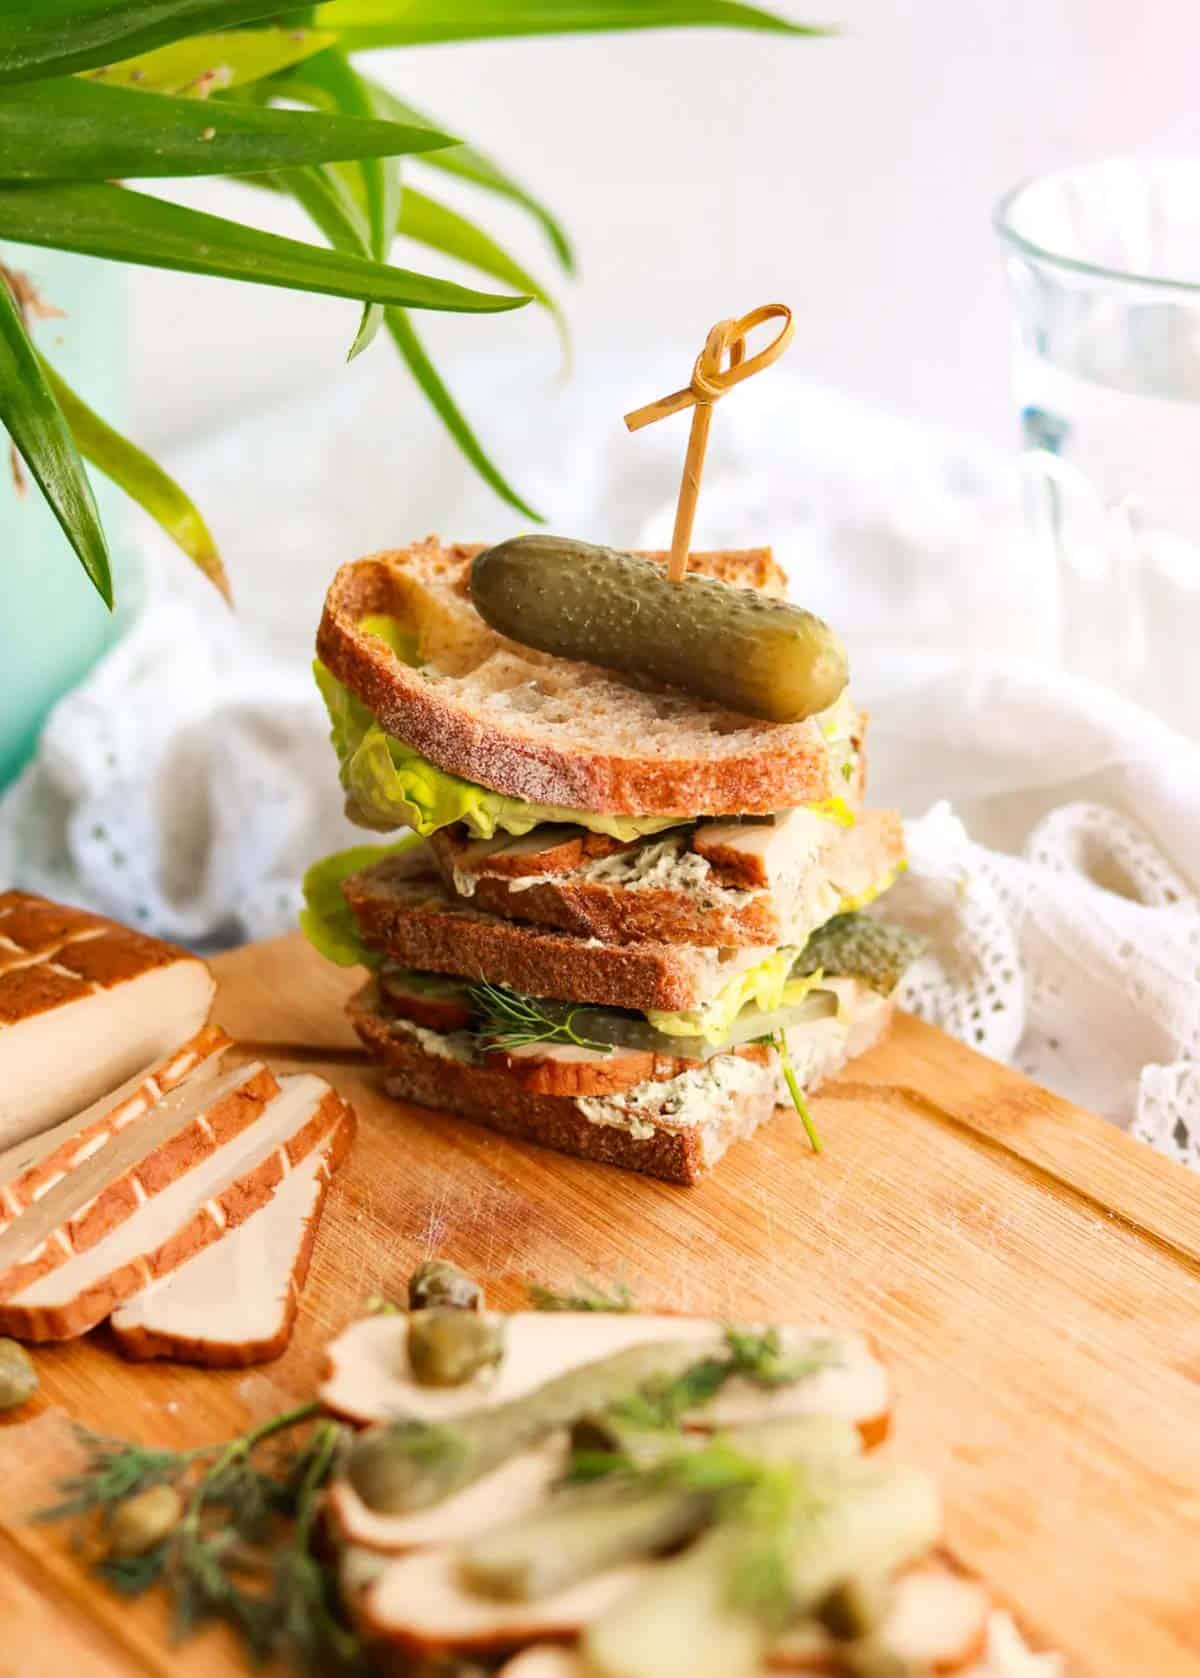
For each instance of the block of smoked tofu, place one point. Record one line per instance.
(84, 1004)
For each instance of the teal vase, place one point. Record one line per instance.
(53, 624)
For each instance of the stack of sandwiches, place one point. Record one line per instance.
(627, 923)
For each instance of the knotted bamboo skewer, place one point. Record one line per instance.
(709, 383)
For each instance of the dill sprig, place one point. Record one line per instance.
(753, 1355)
(794, 1090)
(589, 1297)
(242, 1549)
(510, 1020)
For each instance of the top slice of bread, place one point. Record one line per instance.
(551, 731)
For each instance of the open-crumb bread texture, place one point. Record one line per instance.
(490, 1095)
(548, 730)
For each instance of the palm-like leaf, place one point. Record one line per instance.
(142, 479)
(343, 223)
(211, 63)
(73, 129)
(40, 433)
(431, 223)
(393, 23)
(58, 37)
(125, 226)
(471, 164)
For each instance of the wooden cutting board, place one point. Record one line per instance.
(1031, 1275)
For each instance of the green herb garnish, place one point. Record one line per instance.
(510, 1020)
(588, 1298)
(242, 1549)
(794, 1090)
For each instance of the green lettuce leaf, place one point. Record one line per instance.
(390, 785)
(326, 920)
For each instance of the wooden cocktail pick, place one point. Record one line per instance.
(709, 383)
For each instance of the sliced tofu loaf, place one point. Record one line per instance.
(205, 1312)
(200, 1207)
(84, 1004)
(123, 1169)
(366, 1376)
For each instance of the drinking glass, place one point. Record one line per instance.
(1103, 263)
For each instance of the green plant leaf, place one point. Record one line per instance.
(125, 226)
(211, 63)
(79, 130)
(434, 224)
(426, 374)
(334, 211)
(470, 164)
(42, 437)
(334, 78)
(326, 197)
(394, 23)
(55, 37)
(142, 479)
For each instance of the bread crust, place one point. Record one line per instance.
(772, 766)
(488, 1095)
(710, 916)
(412, 919)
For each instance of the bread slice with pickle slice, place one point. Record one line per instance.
(555, 732)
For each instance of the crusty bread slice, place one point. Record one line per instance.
(235, 1303)
(404, 911)
(676, 1129)
(669, 885)
(548, 730)
(214, 1197)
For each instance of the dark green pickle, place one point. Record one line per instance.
(449, 1347)
(439, 1284)
(737, 646)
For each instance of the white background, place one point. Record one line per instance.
(701, 173)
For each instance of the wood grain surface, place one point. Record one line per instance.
(1031, 1275)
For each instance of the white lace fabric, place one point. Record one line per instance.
(1055, 839)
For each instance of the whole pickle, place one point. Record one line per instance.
(737, 646)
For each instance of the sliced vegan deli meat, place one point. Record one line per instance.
(216, 1195)
(235, 1303)
(84, 1004)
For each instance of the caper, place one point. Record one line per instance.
(447, 1348)
(437, 1282)
(18, 1377)
(738, 646)
(855, 1607)
(144, 1520)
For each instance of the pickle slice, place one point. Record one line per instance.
(737, 646)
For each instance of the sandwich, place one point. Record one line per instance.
(625, 921)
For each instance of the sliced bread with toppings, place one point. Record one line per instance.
(675, 1128)
(727, 884)
(556, 733)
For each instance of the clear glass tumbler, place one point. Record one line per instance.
(1103, 263)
